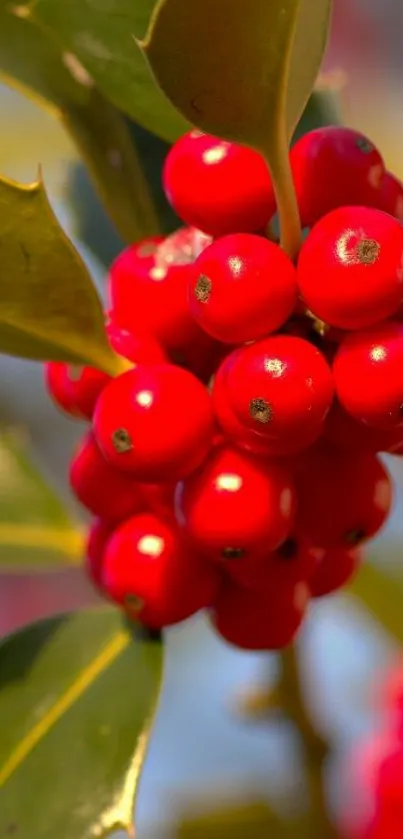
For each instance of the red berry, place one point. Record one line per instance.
(342, 431)
(295, 560)
(226, 417)
(135, 346)
(159, 499)
(332, 167)
(267, 618)
(342, 499)
(241, 288)
(217, 186)
(235, 507)
(391, 196)
(201, 356)
(148, 288)
(155, 421)
(101, 488)
(334, 570)
(57, 383)
(368, 375)
(98, 536)
(148, 569)
(350, 269)
(281, 387)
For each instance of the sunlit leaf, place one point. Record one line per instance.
(243, 72)
(35, 530)
(102, 38)
(77, 695)
(41, 69)
(49, 306)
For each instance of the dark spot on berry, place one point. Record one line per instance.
(122, 442)
(233, 553)
(288, 550)
(260, 410)
(364, 145)
(367, 251)
(203, 289)
(354, 537)
(133, 603)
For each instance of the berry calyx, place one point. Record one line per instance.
(356, 168)
(241, 288)
(148, 569)
(218, 187)
(155, 421)
(102, 489)
(236, 509)
(281, 388)
(350, 267)
(343, 499)
(368, 375)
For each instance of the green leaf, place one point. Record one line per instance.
(77, 695)
(253, 820)
(35, 530)
(243, 73)
(381, 592)
(38, 67)
(102, 37)
(49, 306)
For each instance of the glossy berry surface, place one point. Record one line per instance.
(356, 168)
(265, 618)
(368, 375)
(234, 508)
(102, 489)
(148, 570)
(242, 287)
(342, 431)
(57, 382)
(391, 196)
(155, 421)
(350, 269)
(217, 186)
(281, 387)
(136, 346)
(148, 288)
(334, 570)
(343, 499)
(98, 536)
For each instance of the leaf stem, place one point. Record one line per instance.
(102, 136)
(287, 206)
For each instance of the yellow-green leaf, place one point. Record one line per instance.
(252, 820)
(39, 67)
(381, 592)
(243, 72)
(35, 531)
(49, 306)
(77, 695)
(101, 37)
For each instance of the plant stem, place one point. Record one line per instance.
(315, 748)
(277, 158)
(101, 134)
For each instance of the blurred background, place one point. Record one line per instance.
(199, 740)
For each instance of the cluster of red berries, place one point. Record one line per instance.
(373, 804)
(234, 466)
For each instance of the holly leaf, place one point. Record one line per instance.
(49, 306)
(35, 530)
(102, 38)
(381, 593)
(251, 819)
(77, 694)
(37, 66)
(244, 74)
